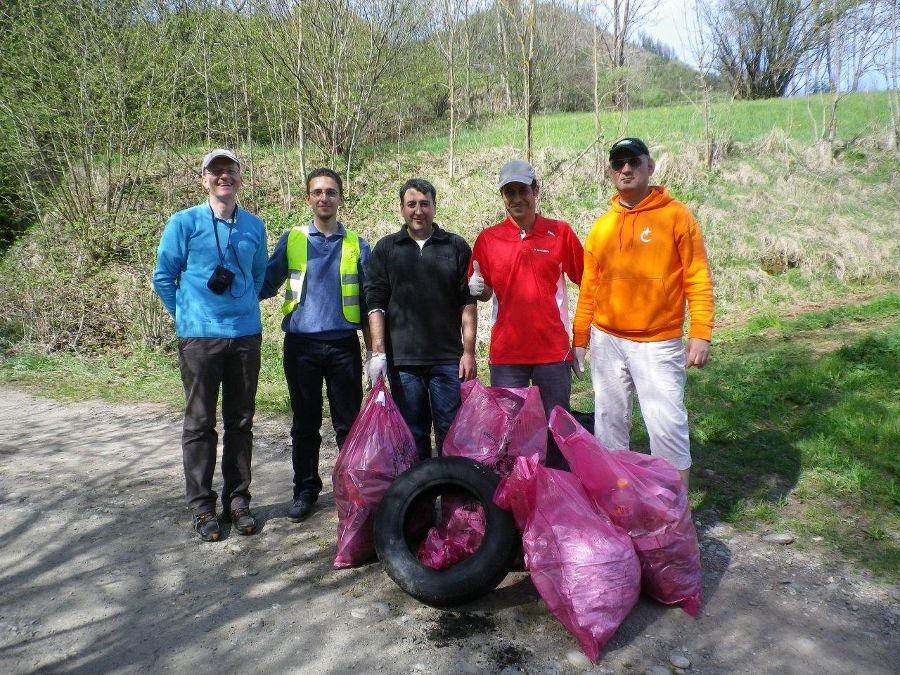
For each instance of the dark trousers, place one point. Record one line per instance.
(553, 380)
(207, 364)
(426, 395)
(306, 364)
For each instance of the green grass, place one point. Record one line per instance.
(799, 419)
(142, 376)
(798, 118)
(145, 376)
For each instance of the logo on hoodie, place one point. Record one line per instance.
(645, 236)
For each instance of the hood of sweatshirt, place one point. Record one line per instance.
(627, 219)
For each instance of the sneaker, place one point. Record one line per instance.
(243, 521)
(300, 509)
(207, 526)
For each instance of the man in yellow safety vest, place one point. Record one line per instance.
(322, 265)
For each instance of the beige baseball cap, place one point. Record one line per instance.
(210, 157)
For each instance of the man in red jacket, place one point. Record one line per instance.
(521, 264)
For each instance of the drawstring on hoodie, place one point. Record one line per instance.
(657, 198)
(621, 227)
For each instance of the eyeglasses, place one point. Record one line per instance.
(619, 164)
(226, 171)
(319, 192)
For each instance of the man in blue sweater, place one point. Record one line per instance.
(323, 264)
(209, 271)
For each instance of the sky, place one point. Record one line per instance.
(669, 24)
(672, 23)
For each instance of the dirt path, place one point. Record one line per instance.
(100, 572)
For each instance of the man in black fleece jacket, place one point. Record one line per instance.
(422, 318)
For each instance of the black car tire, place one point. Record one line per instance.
(401, 510)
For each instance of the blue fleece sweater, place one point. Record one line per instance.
(187, 257)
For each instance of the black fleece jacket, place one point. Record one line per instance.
(422, 293)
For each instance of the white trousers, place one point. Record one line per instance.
(655, 371)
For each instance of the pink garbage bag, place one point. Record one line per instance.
(516, 491)
(646, 497)
(457, 536)
(494, 425)
(583, 566)
(378, 448)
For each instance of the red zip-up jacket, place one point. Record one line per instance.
(530, 313)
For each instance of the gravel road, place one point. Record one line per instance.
(100, 571)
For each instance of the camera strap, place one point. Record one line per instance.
(233, 221)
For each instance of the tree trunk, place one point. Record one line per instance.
(893, 93)
(301, 136)
(504, 58)
(598, 124)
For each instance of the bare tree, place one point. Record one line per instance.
(524, 18)
(703, 51)
(836, 66)
(891, 66)
(623, 18)
(504, 53)
(595, 54)
(338, 56)
(467, 6)
(760, 44)
(452, 15)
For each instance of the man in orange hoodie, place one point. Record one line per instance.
(643, 259)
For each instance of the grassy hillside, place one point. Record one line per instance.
(798, 118)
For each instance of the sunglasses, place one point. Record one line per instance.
(619, 164)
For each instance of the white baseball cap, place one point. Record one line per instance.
(210, 157)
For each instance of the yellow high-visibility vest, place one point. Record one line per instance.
(297, 259)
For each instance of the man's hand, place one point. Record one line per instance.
(578, 363)
(376, 366)
(697, 353)
(467, 367)
(476, 281)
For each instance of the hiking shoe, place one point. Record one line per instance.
(243, 521)
(300, 509)
(207, 526)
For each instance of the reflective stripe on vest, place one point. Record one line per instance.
(296, 258)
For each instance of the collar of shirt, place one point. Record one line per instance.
(540, 227)
(231, 220)
(313, 232)
(437, 233)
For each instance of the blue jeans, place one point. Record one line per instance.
(426, 395)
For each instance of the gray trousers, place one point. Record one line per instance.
(207, 364)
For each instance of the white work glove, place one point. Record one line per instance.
(376, 366)
(476, 281)
(578, 363)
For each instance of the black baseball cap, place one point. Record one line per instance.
(629, 147)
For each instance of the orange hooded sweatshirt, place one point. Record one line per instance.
(640, 265)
